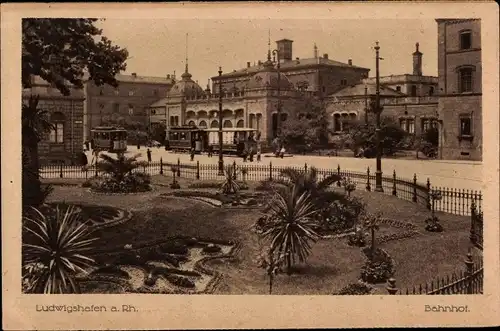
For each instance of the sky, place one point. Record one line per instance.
(157, 47)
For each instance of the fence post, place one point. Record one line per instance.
(368, 187)
(270, 171)
(469, 264)
(178, 167)
(428, 194)
(161, 166)
(394, 191)
(198, 169)
(391, 288)
(472, 235)
(234, 170)
(338, 173)
(414, 198)
(61, 171)
(305, 167)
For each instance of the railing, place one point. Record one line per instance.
(476, 228)
(454, 201)
(469, 281)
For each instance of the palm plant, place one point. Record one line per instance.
(290, 230)
(120, 166)
(56, 250)
(35, 125)
(229, 186)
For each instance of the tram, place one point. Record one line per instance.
(109, 138)
(234, 140)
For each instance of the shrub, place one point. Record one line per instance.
(205, 184)
(130, 183)
(180, 281)
(112, 270)
(151, 279)
(355, 289)
(175, 186)
(378, 268)
(357, 239)
(211, 249)
(174, 247)
(342, 214)
(433, 225)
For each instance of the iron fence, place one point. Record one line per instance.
(454, 201)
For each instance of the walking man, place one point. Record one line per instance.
(148, 152)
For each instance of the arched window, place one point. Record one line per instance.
(431, 91)
(191, 123)
(202, 124)
(214, 124)
(240, 124)
(227, 124)
(251, 120)
(336, 123)
(398, 88)
(283, 116)
(56, 134)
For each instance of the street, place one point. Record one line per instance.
(450, 174)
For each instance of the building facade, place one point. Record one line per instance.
(64, 143)
(251, 96)
(460, 90)
(128, 104)
(411, 99)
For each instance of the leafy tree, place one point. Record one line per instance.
(361, 135)
(290, 230)
(158, 132)
(60, 51)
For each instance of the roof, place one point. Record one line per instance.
(291, 65)
(359, 90)
(159, 103)
(141, 79)
(230, 129)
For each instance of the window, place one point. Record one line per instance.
(465, 40)
(57, 133)
(131, 93)
(465, 126)
(101, 91)
(343, 82)
(411, 126)
(413, 90)
(431, 91)
(324, 89)
(153, 111)
(425, 125)
(465, 80)
(131, 109)
(155, 92)
(402, 124)
(398, 88)
(407, 124)
(116, 108)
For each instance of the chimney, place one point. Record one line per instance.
(325, 56)
(349, 62)
(248, 64)
(417, 61)
(134, 75)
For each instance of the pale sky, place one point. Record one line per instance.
(157, 47)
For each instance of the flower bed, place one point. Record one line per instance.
(379, 266)
(137, 182)
(359, 288)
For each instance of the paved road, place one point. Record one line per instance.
(451, 174)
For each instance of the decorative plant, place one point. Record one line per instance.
(372, 224)
(272, 263)
(378, 268)
(433, 224)
(120, 166)
(349, 185)
(435, 196)
(174, 184)
(291, 229)
(359, 288)
(54, 248)
(229, 186)
(357, 238)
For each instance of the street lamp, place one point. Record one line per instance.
(276, 54)
(221, 159)
(378, 110)
(366, 105)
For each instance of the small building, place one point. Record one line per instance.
(460, 90)
(64, 143)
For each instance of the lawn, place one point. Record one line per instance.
(332, 265)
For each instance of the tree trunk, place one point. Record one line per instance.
(289, 264)
(271, 283)
(31, 185)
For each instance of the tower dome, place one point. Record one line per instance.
(186, 87)
(269, 77)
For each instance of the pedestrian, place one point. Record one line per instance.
(251, 155)
(258, 154)
(192, 154)
(138, 145)
(92, 144)
(148, 152)
(210, 151)
(244, 155)
(282, 152)
(87, 145)
(83, 159)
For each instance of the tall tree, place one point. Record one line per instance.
(60, 51)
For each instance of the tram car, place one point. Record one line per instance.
(109, 138)
(234, 140)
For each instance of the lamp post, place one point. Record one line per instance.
(221, 159)
(378, 110)
(276, 53)
(366, 105)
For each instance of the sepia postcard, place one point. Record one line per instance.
(250, 165)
